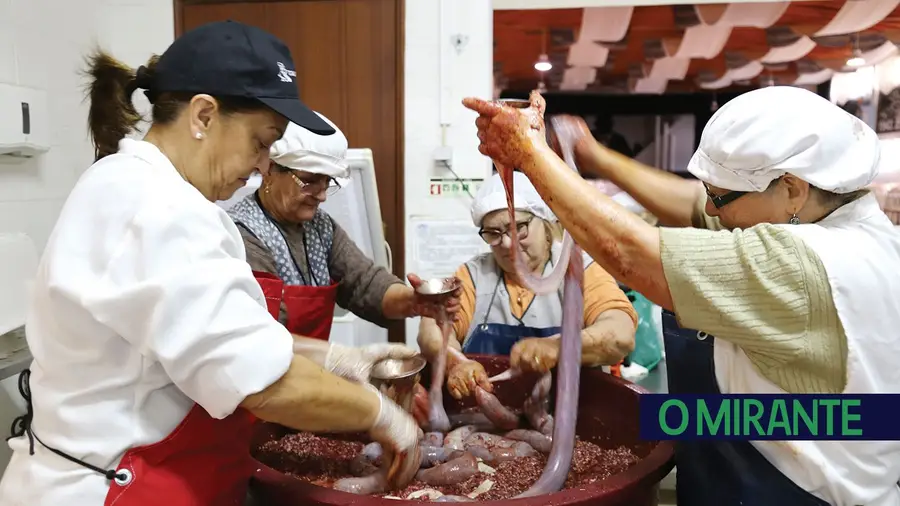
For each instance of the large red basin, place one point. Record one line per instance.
(607, 416)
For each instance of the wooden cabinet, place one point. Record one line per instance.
(349, 59)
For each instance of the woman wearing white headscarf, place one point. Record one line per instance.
(791, 266)
(501, 317)
(305, 262)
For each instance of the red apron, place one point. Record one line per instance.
(310, 309)
(204, 461)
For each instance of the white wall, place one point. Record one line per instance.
(469, 73)
(42, 45)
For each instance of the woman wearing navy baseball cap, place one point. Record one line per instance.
(153, 348)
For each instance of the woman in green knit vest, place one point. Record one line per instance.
(780, 266)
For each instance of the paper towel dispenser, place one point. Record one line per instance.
(24, 128)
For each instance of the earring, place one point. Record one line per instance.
(794, 220)
(267, 189)
(198, 135)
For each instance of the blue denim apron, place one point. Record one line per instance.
(499, 338)
(719, 473)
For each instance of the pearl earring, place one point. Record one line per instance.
(198, 135)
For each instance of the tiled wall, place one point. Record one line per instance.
(42, 45)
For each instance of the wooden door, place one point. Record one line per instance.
(349, 59)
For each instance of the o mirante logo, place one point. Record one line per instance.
(769, 417)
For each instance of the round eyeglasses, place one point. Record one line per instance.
(494, 237)
(330, 186)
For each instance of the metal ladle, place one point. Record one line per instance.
(398, 373)
(438, 289)
(396, 379)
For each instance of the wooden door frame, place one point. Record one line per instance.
(397, 331)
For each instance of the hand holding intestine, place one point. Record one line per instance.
(465, 376)
(515, 137)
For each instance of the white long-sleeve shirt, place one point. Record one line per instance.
(143, 304)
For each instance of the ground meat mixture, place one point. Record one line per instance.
(317, 459)
(322, 460)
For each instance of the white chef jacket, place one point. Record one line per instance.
(860, 250)
(143, 304)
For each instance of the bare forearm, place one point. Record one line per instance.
(430, 341)
(309, 398)
(668, 197)
(608, 340)
(398, 302)
(621, 242)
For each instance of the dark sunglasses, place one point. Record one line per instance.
(723, 200)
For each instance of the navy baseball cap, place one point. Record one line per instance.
(228, 58)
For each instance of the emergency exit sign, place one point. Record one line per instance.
(451, 187)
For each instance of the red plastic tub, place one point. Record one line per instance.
(607, 416)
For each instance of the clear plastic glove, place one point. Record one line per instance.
(465, 376)
(398, 434)
(354, 364)
(535, 354)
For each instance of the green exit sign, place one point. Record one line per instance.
(449, 187)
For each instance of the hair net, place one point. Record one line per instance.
(300, 149)
(492, 196)
(766, 133)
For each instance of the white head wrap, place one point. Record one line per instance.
(300, 149)
(767, 133)
(492, 196)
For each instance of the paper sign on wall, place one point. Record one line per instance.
(440, 247)
(451, 187)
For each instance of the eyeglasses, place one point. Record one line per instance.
(723, 200)
(330, 186)
(494, 237)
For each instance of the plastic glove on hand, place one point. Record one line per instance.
(465, 376)
(429, 309)
(398, 435)
(535, 354)
(356, 364)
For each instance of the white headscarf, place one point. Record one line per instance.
(492, 197)
(300, 149)
(767, 133)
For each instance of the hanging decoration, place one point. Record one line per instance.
(671, 48)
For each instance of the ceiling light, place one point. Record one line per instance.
(856, 61)
(543, 64)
